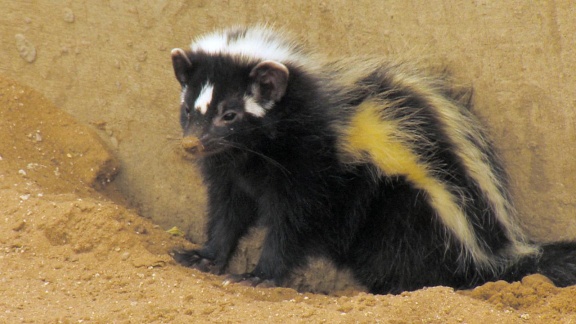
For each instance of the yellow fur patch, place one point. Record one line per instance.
(368, 133)
(384, 143)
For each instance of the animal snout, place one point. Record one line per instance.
(192, 144)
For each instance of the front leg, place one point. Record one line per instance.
(229, 218)
(285, 245)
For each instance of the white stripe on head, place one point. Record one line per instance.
(204, 98)
(253, 108)
(253, 43)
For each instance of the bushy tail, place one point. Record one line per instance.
(557, 261)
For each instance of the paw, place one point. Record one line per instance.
(248, 279)
(193, 259)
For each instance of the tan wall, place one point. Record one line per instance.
(108, 64)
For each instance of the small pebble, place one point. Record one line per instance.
(68, 15)
(125, 256)
(25, 48)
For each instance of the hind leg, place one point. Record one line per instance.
(402, 246)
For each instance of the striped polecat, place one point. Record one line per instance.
(370, 164)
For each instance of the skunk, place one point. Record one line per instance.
(371, 164)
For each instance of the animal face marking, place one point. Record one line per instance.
(251, 107)
(204, 98)
(183, 94)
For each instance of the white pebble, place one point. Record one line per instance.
(68, 15)
(26, 49)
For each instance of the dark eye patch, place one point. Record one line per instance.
(231, 104)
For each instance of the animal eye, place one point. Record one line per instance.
(229, 116)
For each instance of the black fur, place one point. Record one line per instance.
(284, 170)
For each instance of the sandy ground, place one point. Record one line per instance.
(71, 254)
(78, 247)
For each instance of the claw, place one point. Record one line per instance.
(248, 279)
(193, 259)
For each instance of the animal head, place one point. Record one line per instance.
(230, 81)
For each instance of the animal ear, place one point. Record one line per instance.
(270, 80)
(181, 64)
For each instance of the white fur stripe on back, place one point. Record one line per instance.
(459, 128)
